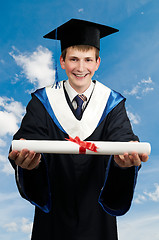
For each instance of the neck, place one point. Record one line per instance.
(80, 89)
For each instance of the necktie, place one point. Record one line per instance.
(79, 100)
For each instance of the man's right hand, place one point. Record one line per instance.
(25, 159)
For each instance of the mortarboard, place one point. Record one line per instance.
(80, 32)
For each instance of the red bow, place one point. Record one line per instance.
(83, 145)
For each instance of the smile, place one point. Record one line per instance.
(80, 75)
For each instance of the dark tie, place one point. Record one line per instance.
(79, 100)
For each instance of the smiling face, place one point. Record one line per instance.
(80, 67)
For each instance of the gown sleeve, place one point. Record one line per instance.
(34, 185)
(117, 193)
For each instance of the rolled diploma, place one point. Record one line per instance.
(67, 147)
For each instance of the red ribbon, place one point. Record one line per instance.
(83, 145)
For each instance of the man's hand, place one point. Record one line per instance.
(129, 160)
(25, 159)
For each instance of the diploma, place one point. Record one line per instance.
(68, 147)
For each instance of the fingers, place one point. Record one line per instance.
(144, 157)
(134, 159)
(120, 160)
(21, 157)
(25, 159)
(34, 162)
(13, 155)
(129, 160)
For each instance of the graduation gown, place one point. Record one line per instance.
(76, 197)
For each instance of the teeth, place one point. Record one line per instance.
(79, 75)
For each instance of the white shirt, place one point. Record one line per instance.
(72, 93)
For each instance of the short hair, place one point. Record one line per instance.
(83, 48)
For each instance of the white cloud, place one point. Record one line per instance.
(153, 196)
(26, 226)
(147, 89)
(16, 78)
(134, 91)
(2, 143)
(12, 220)
(37, 66)
(2, 158)
(5, 165)
(8, 123)
(148, 196)
(11, 227)
(139, 226)
(22, 224)
(11, 113)
(80, 10)
(149, 80)
(140, 199)
(7, 168)
(14, 107)
(142, 88)
(134, 118)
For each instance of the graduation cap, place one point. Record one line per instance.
(80, 32)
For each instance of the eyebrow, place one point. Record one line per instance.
(78, 57)
(73, 56)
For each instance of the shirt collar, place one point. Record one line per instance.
(72, 93)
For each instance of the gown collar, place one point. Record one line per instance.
(91, 116)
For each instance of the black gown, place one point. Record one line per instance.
(76, 196)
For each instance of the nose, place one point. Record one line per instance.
(80, 66)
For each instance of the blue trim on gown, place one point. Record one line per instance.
(113, 212)
(114, 99)
(42, 96)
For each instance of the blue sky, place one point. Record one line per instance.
(129, 65)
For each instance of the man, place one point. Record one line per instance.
(77, 196)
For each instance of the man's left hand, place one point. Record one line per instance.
(129, 160)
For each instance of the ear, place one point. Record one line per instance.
(98, 63)
(62, 62)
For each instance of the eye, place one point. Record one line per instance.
(73, 59)
(89, 60)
